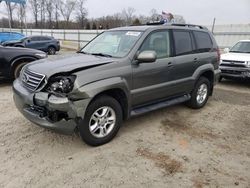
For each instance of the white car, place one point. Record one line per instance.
(235, 63)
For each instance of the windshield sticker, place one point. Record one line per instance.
(133, 33)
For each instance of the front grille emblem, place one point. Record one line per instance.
(25, 77)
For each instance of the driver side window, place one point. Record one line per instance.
(159, 42)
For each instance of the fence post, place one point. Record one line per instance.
(79, 46)
(64, 37)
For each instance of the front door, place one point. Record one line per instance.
(150, 79)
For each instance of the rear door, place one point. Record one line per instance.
(150, 79)
(204, 48)
(185, 62)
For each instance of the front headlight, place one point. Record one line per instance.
(62, 84)
(41, 55)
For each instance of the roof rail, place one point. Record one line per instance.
(175, 24)
(188, 25)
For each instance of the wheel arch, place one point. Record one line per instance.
(114, 87)
(15, 62)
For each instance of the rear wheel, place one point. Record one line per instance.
(51, 50)
(200, 93)
(18, 69)
(102, 121)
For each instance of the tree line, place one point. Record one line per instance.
(70, 14)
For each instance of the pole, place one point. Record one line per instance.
(8, 5)
(213, 25)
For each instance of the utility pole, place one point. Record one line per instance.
(213, 25)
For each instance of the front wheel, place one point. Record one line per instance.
(102, 121)
(200, 93)
(18, 69)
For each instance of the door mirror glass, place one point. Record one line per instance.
(147, 57)
(226, 50)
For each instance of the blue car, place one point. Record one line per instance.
(10, 36)
(43, 43)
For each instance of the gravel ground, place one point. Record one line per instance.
(172, 147)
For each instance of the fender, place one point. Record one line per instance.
(85, 94)
(94, 88)
(22, 57)
(202, 69)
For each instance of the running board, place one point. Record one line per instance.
(159, 105)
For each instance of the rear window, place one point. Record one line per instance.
(45, 38)
(203, 41)
(183, 42)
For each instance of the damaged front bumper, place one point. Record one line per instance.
(49, 111)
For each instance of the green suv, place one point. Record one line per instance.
(121, 73)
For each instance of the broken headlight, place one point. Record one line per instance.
(62, 84)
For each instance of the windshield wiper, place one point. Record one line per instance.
(101, 54)
(236, 51)
(82, 52)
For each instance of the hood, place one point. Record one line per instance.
(236, 56)
(69, 63)
(12, 42)
(24, 51)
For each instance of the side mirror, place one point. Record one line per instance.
(226, 50)
(28, 41)
(147, 57)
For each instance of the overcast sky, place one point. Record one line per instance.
(193, 11)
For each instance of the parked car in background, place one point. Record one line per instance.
(10, 36)
(235, 63)
(44, 43)
(121, 73)
(13, 59)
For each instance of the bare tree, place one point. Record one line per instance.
(42, 13)
(128, 15)
(81, 13)
(35, 10)
(49, 10)
(10, 8)
(21, 12)
(66, 8)
(154, 15)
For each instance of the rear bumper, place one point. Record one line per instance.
(217, 74)
(38, 107)
(235, 72)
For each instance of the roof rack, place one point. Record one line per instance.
(188, 25)
(175, 24)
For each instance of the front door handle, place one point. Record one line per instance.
(170, 64)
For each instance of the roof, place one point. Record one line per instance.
(160, 26)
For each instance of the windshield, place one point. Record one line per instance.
(23, 39)
(112, 43)
(241, 47)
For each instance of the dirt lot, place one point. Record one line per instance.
(173, 147)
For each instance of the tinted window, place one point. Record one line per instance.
(183, 42)
(203, 41)
(158, 42)
(45, 38)
(35, 39)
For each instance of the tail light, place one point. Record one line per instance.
(218, 55)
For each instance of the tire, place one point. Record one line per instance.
(18, 69)
(96, 113)
(51, 50)
(200, 93)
